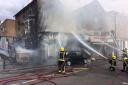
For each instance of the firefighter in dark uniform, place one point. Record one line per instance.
(112, 62)
(61, 60)
(125, 64)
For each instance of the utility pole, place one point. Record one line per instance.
(116, 32)
(115, 27)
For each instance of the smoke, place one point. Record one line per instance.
(57, 17)
(32, 57)
(57, 22)
(4, 52)
(23, 50)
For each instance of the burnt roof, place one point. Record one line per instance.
(26, 7)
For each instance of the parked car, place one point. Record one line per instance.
(76, 57)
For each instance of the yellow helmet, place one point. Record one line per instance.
(62, 49)
(125, 58)
(113, 57)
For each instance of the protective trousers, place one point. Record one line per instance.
(125, 66)
(61, 66)
(113, 65)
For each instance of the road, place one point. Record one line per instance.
(97, 74)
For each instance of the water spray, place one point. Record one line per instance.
(113, 47)
(89, 47)
(59, 41)
(23, 50)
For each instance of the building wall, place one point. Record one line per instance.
(26, 25)
(19, 27)
(8, 28)
(7, 33)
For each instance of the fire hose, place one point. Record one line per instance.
(29, 78)
(39, 76)
(33, 79)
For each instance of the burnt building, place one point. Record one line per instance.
(47, 25)
(26, 25)
(40, 24)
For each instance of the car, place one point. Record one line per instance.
(76, 57)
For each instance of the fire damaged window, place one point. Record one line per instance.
(28, 24)
(96, 33)
(18, 22)
(27, 30)
(104, 33)
(2, 29)
(24, 16)
(30, 11)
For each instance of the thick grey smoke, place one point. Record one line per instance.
(57, 18)
(57, 22)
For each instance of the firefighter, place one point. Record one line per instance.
(112, 62)
(61, 60)
(125, 64)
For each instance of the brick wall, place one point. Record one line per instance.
(8, 28)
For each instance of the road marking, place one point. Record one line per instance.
(29, 81)
(14, 84)
(80, 68)
(124, 83)
(24, 82)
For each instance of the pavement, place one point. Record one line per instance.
(97, 73)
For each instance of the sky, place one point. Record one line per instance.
(8, 8)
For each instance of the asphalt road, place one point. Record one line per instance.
(97, 74)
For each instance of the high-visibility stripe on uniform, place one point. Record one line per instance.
(61, 59)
